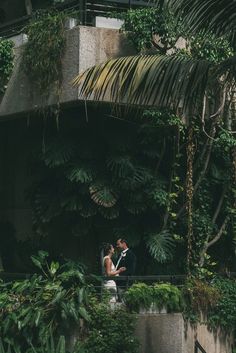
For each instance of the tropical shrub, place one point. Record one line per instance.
(162, 295)
(33, 309)
(214, 302)
(109, 330)
(224, 313)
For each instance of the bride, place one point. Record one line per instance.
(110, 270)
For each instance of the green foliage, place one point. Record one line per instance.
(215, 301)
(139, 295)
(160, 295)
(210, 47)
(42, 57)
(201, 296)
(6, 62)
(51, 346)
(31, 310)
(142, 25)
(96, 183)
(109, 330)
(161, 246)
(224, 314)
(225, 141)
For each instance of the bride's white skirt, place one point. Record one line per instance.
(112, 288)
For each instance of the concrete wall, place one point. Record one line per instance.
(85, 47)
(168, 333)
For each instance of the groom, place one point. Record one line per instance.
(126, 259)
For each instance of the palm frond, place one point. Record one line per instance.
(161, 246)
(120, 165)
(57, 153)
(109, 213)
(214, 15)
(103, 195)
(80, 173)
(146, 80)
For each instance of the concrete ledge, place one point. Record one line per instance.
(168, 333)
(85, 47)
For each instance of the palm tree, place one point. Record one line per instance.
(162, 81)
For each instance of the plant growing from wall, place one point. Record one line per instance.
(214, 303)
(42, 56)
(6, 62)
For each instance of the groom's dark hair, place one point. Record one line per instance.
(124, 241)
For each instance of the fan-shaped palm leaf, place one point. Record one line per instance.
(103, 195)
(121, 166)
(161, 246)
(109, 213)
(80, 173)
(147, 80)
(57, 153)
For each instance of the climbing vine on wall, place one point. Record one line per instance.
(6, 62)
(42, 57)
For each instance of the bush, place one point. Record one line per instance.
(33, 309)
(140, 295)
(109, 330)
(224, 313)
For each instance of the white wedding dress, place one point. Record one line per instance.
(110, 285)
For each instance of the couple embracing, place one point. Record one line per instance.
(125, 265)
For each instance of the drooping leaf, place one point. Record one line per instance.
(218, 15)
(147, 80)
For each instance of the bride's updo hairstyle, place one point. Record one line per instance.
(106, 248)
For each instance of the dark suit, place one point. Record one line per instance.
(128, 260)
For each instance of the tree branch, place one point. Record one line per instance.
(217, 211)
(219, 234)
(207, 245)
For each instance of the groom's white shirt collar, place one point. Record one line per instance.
(124, 251)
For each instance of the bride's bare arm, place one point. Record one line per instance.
(108, 269)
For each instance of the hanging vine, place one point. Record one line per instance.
(42, 57)
(189, 194)
(6, 62)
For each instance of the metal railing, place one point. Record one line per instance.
(198, 348)
(87, 9)
(172, 278)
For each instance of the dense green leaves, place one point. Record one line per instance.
(6, 62)
(31, 310)
(44, 49)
